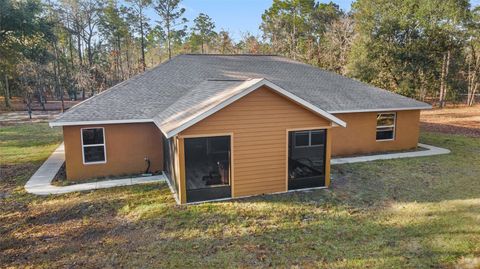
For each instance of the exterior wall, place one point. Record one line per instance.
(360, 135)
(126, 147)
(259, 124)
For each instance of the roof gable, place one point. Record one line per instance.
(207, 99)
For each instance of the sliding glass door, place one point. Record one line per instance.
(207, 165)
(306, 159)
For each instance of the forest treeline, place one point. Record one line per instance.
(425, 49)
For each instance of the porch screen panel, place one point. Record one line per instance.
(306, 159)
(169, 162)
(207, 162)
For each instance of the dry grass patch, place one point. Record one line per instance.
(453, 120)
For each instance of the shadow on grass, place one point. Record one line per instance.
(123, 227)
(256, 233)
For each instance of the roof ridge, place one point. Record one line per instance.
(231, 79)
(230, 54)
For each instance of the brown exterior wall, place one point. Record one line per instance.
(126, 147)
(259, 124)
(360, 135)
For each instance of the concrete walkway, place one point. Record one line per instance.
(430, 151)
(40, 182)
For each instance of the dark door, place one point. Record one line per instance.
(207, 165)
(306, 159)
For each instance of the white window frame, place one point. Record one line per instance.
(387, 126)
(309, 139)
(93, 145)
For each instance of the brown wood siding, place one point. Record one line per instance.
(360, 135)
(126, 147)
(259, 122)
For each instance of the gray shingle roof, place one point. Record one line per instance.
(159, 91)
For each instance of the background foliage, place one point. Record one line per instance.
(427, 49)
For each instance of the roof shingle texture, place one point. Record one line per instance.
(148, 95)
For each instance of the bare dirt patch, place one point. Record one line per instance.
(452, 120)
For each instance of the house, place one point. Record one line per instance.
(222, 126)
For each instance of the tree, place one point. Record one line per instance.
(224, 43)
(285, 24)
(115, 29)
(24, 35)
(295, 27)
(92, 13)
(154, 41)
(407, 46)
(137, 12)
(336, 45)
(171, 17)
(204, 29)
(473, 56)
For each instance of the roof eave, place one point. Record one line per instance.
(97, 122)
(426, 107)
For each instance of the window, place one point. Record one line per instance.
(309, 138)
(93, 145)
(386, 126)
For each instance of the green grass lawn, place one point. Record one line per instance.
(408, 213)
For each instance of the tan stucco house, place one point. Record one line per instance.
(225, 126)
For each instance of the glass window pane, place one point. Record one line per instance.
(385, 119)
(301, 139)
(92, 136)
(385, 133)
(94, 154)
(318, 138)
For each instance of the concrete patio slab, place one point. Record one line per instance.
(41, 182)
(430, 151)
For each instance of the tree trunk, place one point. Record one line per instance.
(41, 97)
(127, 55)
(447, 68)
(56, 67)
(168, 37)
(90, 53)
(120, 62)
(474, 92)
(70, 45)
(79, 45)
(29, 107)
(423, 90)
(169, 45)
(7, 93)
(472, 77)
(294, 34)
(443, 81)
(142, 41)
